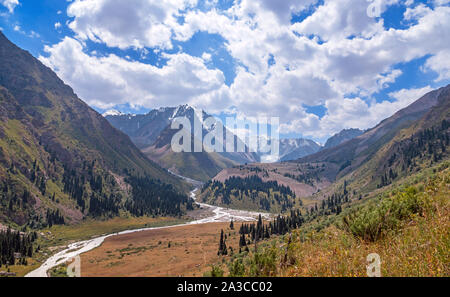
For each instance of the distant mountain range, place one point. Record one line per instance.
(292, 149)
(152, 133)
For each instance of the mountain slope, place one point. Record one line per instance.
(143, 130)
(199, 166)
(413, 139)
(423, 144)
(57, 155)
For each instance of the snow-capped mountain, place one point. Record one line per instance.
(292, 149)
(144, 129)
(152, 133)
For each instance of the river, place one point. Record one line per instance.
(220, 214)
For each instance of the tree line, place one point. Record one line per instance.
(152, 197)
(252, 187)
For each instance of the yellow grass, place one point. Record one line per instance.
(419, 248)
(191, 252)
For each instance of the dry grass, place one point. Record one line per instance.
(192, 250)
(420, 250)
(419, 247)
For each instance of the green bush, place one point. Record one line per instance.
(237, 268)
(216, 271)
(373, 221)
(264, 264)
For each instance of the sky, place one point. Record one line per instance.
(319, 65)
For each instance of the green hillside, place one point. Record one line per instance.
(198, 166)
(420, 145)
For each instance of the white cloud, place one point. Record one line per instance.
(282, 9)
(10, 4)
(124, 24)
(339, 19)
(441, 2)
(416, 12)
(321, 73)
(206, 57)
(111, 80)
(440, 63)
(408, 96)
(347, 113)
(32, 33)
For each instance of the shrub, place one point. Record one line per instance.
(264, 264)
(374, 221)
(237, 268)
(216, 271)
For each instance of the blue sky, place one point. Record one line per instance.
(321, 66)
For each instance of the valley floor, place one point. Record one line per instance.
(201, 219)
(180, 251)
(418, 246)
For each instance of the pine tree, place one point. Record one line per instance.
(221, 244)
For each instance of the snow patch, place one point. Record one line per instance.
(112, 112)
